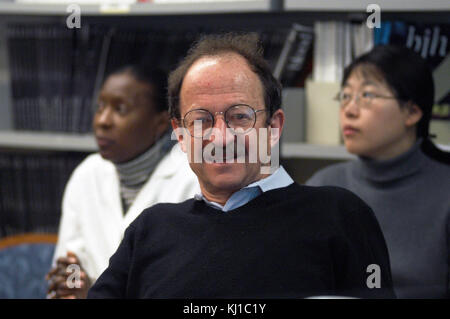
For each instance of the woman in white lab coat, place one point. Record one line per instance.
(138, 165)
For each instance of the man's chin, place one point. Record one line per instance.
(230, 180)
(226, 185)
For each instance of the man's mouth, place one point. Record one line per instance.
(225, 159)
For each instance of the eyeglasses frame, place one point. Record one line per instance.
(213, 115)
(358, 96)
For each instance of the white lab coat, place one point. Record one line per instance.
(92, 222)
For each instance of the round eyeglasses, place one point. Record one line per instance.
(241, 118)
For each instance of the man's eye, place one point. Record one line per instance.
(239, 117)
(204, 121)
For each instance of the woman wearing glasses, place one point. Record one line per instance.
(386, 101)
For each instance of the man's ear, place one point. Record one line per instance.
(179, 132)
(276, 124)
(414, 114)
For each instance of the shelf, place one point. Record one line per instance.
(200, 7)
(361, 5)
(224, 6)
(303, 150)
(47, 141)
(86, 143)
(51, 141)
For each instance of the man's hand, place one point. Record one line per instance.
(59, 285)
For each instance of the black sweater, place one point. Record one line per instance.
(290, 242)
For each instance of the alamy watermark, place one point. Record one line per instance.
(374, 279)
(74, 18)
(253, 146)
(74, 279)
(374, 19)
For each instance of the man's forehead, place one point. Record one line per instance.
(221, 73)
(232, 62)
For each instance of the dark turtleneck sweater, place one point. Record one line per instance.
(410, 196)
(291, 242)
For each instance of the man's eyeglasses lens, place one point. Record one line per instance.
(241, 118)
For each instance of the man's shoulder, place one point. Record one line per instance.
(330, 192)
(328, 202)
(331, 195)
(164, 212)
(336, 209)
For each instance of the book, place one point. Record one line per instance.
(32, 190)
(431, 41)
(294, 56)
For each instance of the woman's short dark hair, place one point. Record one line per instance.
(407, 75)
(152, 76)
(247, 45)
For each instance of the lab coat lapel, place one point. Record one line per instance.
(113, 216)
(149, 194)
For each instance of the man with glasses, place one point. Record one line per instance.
(252, 232)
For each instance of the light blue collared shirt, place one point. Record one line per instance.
(280, 178)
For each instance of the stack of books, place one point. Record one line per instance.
(32, 189)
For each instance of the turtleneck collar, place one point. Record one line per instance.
(135, 173)
(137, 170)
(391, 169)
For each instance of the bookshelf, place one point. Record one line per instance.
(194, 7)
(86, 143)
(235, 6)
(361, 5)
(314, 151)
(48, 141)
(270, 12)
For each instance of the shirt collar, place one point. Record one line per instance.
(279, 179)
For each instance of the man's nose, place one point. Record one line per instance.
(221, 133)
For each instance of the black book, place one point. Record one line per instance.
(295, 54)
